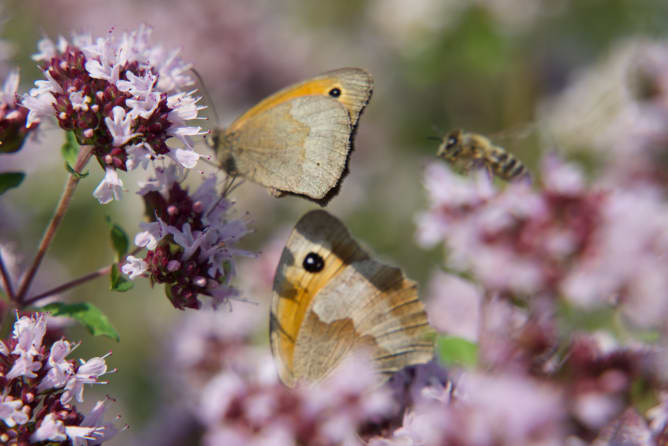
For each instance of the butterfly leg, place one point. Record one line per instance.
(231, 182)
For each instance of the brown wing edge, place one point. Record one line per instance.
(324, 201)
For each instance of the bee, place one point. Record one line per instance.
(468, 150)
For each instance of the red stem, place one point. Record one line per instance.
(71, 284)
(6, 279)
(84, 155)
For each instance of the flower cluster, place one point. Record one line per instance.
(39, 385)
(13, 115)
(514, 241)
(586, 399)
(190, 241)
(477, 412)
(119, 95)
(565, 239)
(616, 113)
(561, 280)
(236, 395)
(254, 408)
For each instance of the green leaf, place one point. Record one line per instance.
(453, 350)
(118, 281)
(119, 239)
(10, 180)
(70, 148)
(87, 315)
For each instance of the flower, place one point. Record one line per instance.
(604, 273)
(110, 188)
(190, 242)
(119, 95)
(515, 240)
(454, 305)
(616, 110)
(248, 408)
(14, 127)
(35, 405)
(479, 415)
(564, 277)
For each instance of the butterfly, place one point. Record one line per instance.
(330, 298)
(298, 140)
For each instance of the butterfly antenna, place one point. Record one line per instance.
(212, 107)
(231, 184)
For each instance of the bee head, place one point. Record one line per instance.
(450, 142)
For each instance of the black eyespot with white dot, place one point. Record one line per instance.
(313, 262)
(335, 92)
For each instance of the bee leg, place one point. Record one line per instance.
(480, 164)
(490, 172)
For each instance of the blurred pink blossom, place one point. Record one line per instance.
(514, 240)
(453, 305)
(566, 238)
(14, 126)
(617, 109)
(486, 410)
(252, 409)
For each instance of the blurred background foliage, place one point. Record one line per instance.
(483, 65)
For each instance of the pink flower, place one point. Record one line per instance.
(454, 305)
(514, 240)
(110, 188)
(35, 406)
(60, 369)
(11, 413)
(88, 372)
(121, 96)
(14, 123)
(134, 267)
(481, 415)
(245, 406)
(191, 242)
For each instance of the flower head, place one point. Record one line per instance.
(38, 383)
(251, 409)
(119, 95)
(14, 127)
(514, 240)
(190, 242)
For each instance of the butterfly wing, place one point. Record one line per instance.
(354, 84)
(300, 147)
(298, 140)
(294, 287)
(354, 301)
(371, 306)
